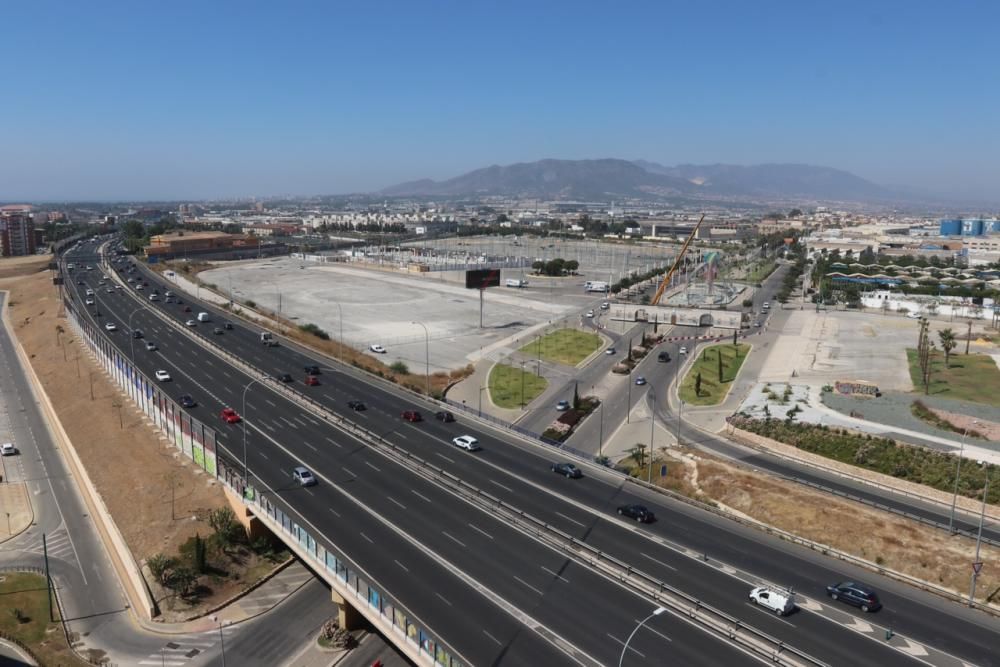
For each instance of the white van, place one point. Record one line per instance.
(780, 602)
(204, 317)
(515, 282)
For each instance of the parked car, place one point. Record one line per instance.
(412, 416)
(562, 406)
(186, 401)
(303, 477)
(8, 449)
(229, 416)
(856, 594)
(376, 348)
(312, 369)
(590, 313)
(163, 376)
(605, 305)
(357, 406)
(638, 512)
(466, 442)
(444, 416)
(312, 381)
(567, 469)
(780, 602)
(640, 380)
(151, 346)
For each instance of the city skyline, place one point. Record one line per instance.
(121, 102)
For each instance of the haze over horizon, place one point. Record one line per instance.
(182, 101)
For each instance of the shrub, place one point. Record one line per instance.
(399, 367)
(315, 331)
(158, 566)
(250, 303)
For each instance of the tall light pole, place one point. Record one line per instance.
(680, 409)
(222, 640)
(652, 427)
(131, 333)
(958, 469)
(656, 612)
(427, 358)
(522, 385)
(246, 474)
(340, 311)
(481, 390)
(976, 564)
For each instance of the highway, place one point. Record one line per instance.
(519, 474)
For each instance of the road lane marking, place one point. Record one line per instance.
(571, 520)
(420, 495)
(270, 402)
(776, 617)
(493, 481)
(499, 643)
(334, 442)
(519, 579)
(445, 457)
(335, 512)
(348, 471)
(659, 562)
(396, 501)
(373, 467)
(454, 539)
(480, 530)
(367, 538)
(443, 598)
(655, 632)
(555, 574)
(620, 642)
(401, 565)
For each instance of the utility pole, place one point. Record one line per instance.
(968, 338)
(977, 564)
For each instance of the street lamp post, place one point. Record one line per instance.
(958, 469)
(680, 409)
(481, 390)
(656, 612)
(979, 540)
(130, 332)
(246, 474)
(600, 441)
(522, 385)
(340, 312)
(427, 358)
(652, 427)
(222, 640)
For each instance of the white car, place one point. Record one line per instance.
(378, 349)
(466, 442)
(111, 326)
(163, 376)
(89, 302)
(191, 323)
(683, 350)
(590, 313)
(151, 346)
(139, 287)
(8, 449)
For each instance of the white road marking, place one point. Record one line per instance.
(270, 402)
(493, 481)
(555, 574)
(348, 471)
(859, 625)
(368, 538)
(621, 643)
(443, 598)
(335, 512)
(334, 442)
(454, 539)
(480, 530)
(655, 632)
(450, 460)
(373, 467)
(776, 617)
(420, 495)
(499, 643)
(401, 565)
(571, 520)
(913, 648)
(658, 561)
(519, 579)
(396, 501)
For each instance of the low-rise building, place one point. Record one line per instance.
(179, 242)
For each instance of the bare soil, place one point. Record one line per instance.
(156, 497)
(893, 542)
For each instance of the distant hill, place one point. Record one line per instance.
(612, 178)
(553, 179)
(775, 180)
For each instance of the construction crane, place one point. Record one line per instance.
(677, 262)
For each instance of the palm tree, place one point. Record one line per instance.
(948, 343)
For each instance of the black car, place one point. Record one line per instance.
(217, 331)
(227, 326)
(663, 356)
(567, 469)
(312, 369)
(283, 377)
(186, 401)
(857, 594)
(357, 406)
(444, 416)
(137, 333)
(638, 512)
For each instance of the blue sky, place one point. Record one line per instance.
(191, 100)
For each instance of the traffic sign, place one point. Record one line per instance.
(976, 567)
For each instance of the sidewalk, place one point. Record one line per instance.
(637, 431)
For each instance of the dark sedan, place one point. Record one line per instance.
(856, 594)
(186, 401)
(567, 469)
(638, 512)
(357, 406)
(444, 416)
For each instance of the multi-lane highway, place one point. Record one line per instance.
(364, 502)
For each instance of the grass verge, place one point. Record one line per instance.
(506, 384)
(920, 410)
(27, 593)
(565, 346)
(712, 391)
(968, 377)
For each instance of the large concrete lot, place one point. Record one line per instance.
(384, 307)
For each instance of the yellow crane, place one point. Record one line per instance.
(677, 262)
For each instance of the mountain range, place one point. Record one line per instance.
(611, 178)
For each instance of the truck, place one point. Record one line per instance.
(780, 602)
(595, 286)
(204, 317)
(515, 282)
(267, 339)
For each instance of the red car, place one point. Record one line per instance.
(229, 416)
(412, 416)
(312, 381)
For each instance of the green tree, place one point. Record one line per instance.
(948, 343)
(227, 529)
(199, 554)
(638, 454)
(571, 266)
(159, 566)
(718, 351)
(576, 396)
(538, 266)
(697, 384)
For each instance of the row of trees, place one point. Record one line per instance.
(555, 267)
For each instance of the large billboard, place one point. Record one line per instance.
(482, 278)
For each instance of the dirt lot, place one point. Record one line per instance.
(157, 499)
(894, 542)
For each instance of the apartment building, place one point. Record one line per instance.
(17, 231)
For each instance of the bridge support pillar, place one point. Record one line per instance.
(254, 527)
(348, 617)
